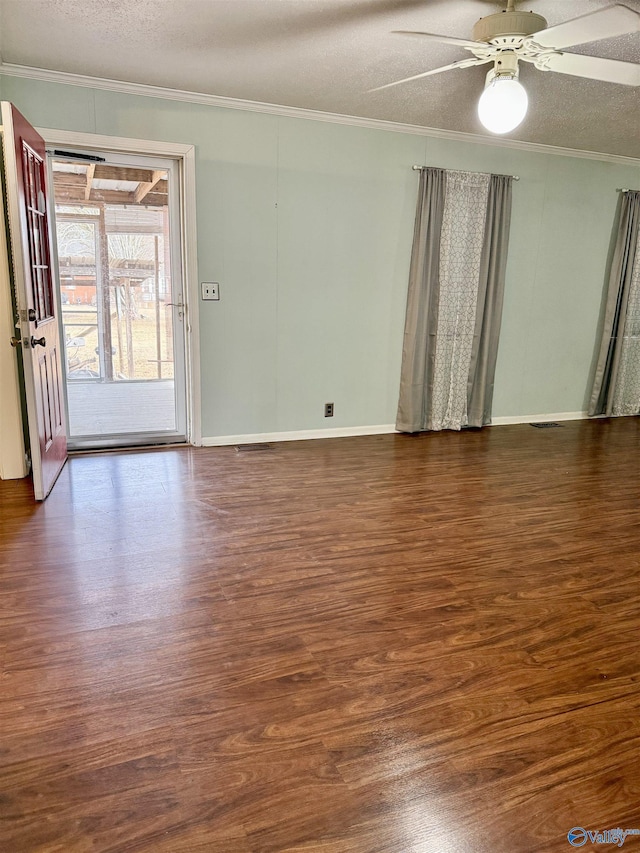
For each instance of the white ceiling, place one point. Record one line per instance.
(324, 55)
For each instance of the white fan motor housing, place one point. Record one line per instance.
(508, 24)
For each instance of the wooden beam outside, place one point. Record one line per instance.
(112, 196)
(145, 188)
(87, 190)
(157, 180)
(103, 292)
(69, 179)
(122, 173)
(77, 193)
(156, 200)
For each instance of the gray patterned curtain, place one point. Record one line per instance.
(616, 387)
(454, 303)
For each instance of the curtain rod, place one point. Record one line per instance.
(515, 177)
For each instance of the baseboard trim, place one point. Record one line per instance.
(539, 419)
(296, 435)
(379, 429)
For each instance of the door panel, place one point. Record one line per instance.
(28, 213)
(45, 388)
(49, 397)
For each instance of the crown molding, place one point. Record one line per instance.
(147, 91)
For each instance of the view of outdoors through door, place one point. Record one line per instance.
(121, 309)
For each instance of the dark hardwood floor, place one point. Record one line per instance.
(387, 644)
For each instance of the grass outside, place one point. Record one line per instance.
(81, 334)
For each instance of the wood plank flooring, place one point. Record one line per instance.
(386, 644)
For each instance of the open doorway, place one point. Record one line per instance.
(117, 225)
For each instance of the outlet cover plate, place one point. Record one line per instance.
(211, 290)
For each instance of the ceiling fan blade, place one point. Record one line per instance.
(602, 24)
(461, 63)
(469, 45)
(611, 70)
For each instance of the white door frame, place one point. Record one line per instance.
(186, 157)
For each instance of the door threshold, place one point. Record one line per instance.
(91, 451)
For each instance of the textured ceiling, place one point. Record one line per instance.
(324, 55)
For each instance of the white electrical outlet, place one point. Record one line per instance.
(210, 290)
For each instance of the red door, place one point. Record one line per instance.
(25, 168)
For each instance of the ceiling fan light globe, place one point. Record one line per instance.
(503, 105)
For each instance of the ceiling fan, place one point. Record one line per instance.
(511, 36)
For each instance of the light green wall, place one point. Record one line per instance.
(308, 227)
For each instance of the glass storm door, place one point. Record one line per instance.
(121, 298)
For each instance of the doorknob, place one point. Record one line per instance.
(38, 342)
(15, 342)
